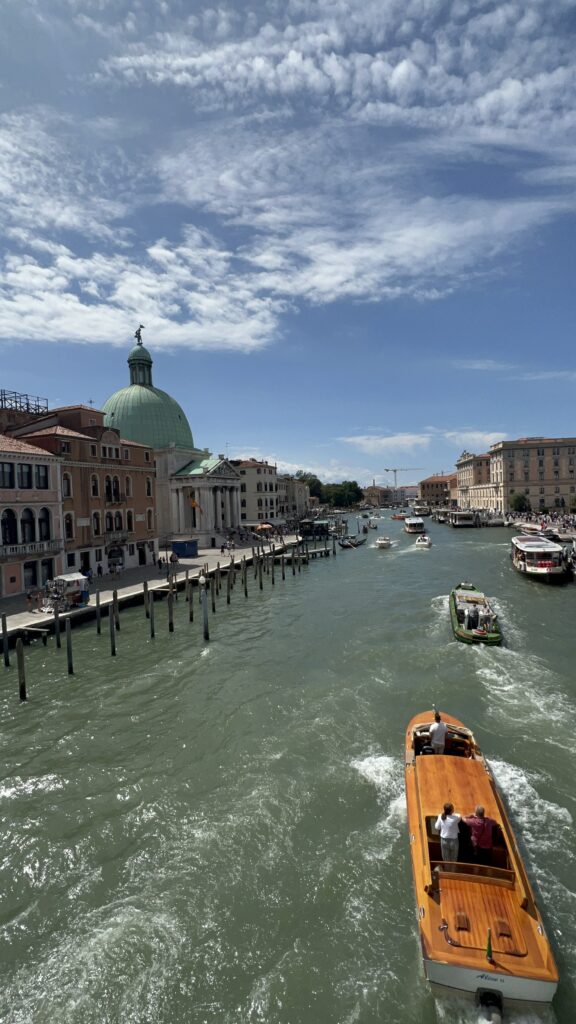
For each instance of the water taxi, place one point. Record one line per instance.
(474, 621)
(480, 928)
(423, 541)
(538, 557)
(414, 524)
(383, 542)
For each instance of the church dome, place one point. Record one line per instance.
(144, 413)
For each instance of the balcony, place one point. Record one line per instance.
(35, 548)
(114, 499)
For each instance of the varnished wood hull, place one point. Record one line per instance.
(479, 925)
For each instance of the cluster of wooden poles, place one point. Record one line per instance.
(263, 564)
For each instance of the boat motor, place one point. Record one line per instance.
(490, 1004)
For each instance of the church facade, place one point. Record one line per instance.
(197, 494)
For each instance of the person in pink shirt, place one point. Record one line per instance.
(481, 834)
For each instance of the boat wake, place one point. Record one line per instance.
(385, 773)
(452, 1010)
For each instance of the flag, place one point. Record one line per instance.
(489, 947)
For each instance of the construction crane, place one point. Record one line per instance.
(401, 469)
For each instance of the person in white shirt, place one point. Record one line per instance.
(447, 825)
(438, 731)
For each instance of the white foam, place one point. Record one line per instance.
(543, 825)
(42, 784)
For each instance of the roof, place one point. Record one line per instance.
(65, 408)
(16, 446)
(148, 416)
(198, 467)
(535, 543)
(60, 432)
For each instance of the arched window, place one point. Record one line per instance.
(66, 485)
(69, 526)
(128, 486)
(148, 487)
(130, 521)
(44, 524)
(108, 488)
(109, 522)
(118, 521)
(27, 526)
(116, 489)
(95, 487)
(9, 527)
(96, 524)
(149, 518)
(258, 486)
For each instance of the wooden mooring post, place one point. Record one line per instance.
(228, 584)
(98, 614)
(190, 599)
(152, 630)
(69, 647)
(186, 582)
(21, 669)
(260, 584)
(116, 610)
(5, 644)
(283, 563)
(57, 627)
(146, 596)
(170, 611)
(213, 594)
(204, 603)
(112, 631)
(245, 576)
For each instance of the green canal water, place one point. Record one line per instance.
(216, 833)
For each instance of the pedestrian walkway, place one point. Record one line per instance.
(129, 584)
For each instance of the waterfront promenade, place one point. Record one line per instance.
(129, 585)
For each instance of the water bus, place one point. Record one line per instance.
(463, 517)
(414, 524)
(481, 931)
(539, 557)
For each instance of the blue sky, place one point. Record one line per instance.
(347, 225)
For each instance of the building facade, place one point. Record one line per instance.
(473, 473)
(108, 489)
(259, 502)
(540, 469)
(436, 491)
(31, 546)
(378, 496)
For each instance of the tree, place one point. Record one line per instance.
(520, 503)
(314, 484)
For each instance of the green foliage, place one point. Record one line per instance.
(520, 503)
(342, 495)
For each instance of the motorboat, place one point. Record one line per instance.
(474, 620)
(399, 516)
(480, 928)
(538, 557)
(423, 541)
(383, 542)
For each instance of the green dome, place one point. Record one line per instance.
(148, 415)
(142, 412)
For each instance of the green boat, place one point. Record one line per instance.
(474, 621)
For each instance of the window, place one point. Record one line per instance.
(540, 451)
(258, 487)
(556, 462)
(243, 488)
(149, 518)
(116, 453)
(66, 485)
(108, 488)
(556, 474)
(541, 490)
(259, 502)
(540, 474)
(27, 526)
(93, 450)
(555, 451)
(116, 489)
(146, 456)
(24, 475)
(98, 554)
(9, 527)
(96, 524)
(128, 487)
(130, 522)
(126, 454)
(95, 485)
(243, 503)
(42, 481)
(69, 526)
(540, 463)
(526, 490)
(71, 559)
(131, 549)
(556, 490)
(6, 474)
(148, 487)
(118, 524)
(65, 447)
(44, 530)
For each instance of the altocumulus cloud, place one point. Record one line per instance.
(296, 155)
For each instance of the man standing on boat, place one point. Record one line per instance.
(438, 731)
(482, 833)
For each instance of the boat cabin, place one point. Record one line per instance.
(414, 524)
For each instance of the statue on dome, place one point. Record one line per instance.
(138, 334)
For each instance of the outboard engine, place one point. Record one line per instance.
(490, 1004)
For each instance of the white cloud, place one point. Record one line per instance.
(474, 440)
(488, 365)
(382, 445)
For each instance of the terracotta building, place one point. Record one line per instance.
(31, 547)
(436, 491)
(107, 488)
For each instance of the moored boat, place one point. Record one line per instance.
(538, 557)
(480, 928)
(474, 620)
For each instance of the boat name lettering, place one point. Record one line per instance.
(490, 978)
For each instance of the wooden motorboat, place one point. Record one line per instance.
(480, 927)
(423, 541)
(399, 515)
(474, 620)
(383, 542)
